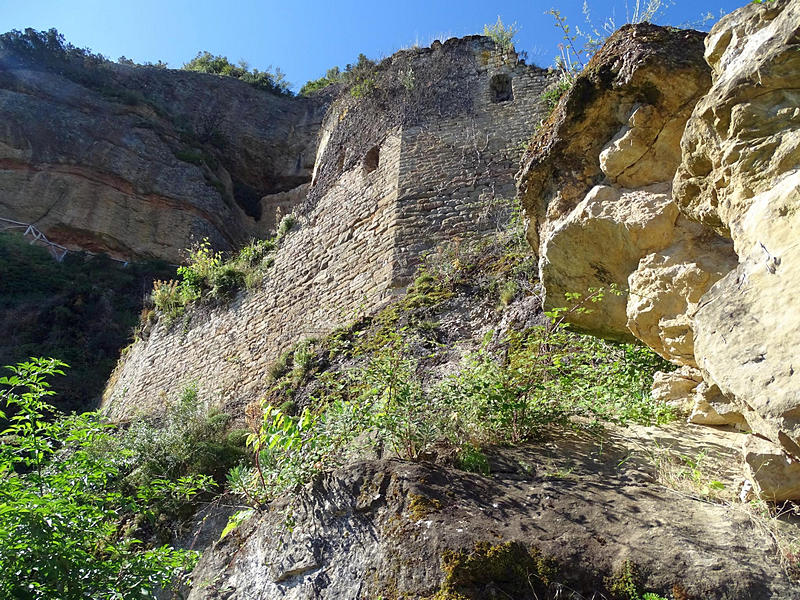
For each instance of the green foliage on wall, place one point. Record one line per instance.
(359, 77)
(210, 276)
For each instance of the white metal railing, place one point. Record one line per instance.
(36, 237)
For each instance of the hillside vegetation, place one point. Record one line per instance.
(82, 311)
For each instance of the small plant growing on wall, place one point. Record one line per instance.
(501, 34)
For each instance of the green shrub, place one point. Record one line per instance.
(471, 458)
(333, 75)
(205, 62)
(286, 225)
(358, 77)
(209, 275)
(191, 155)
(224, 281)
(303, 356)
(497, 404)
(554, 94)
(626, 583)
(281, 366)
(256, 251)
(188, 440)
(171, 298)
(362, 88)
(502, 35)
(65, 530)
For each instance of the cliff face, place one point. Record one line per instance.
(136, 161)
(707, 261)
(740, 175)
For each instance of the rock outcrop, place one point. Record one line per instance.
(136, 161)
(708, 261)
(740, 175)
(396, 529)
(596, 183)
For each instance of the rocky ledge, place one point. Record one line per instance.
(136, 161)
(572, 517)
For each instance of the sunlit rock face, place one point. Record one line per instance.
(138, 161)
(739, 175)
(708, 259)
(596, 188)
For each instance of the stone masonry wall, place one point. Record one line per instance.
(337, 261)
(457, 175)
(388, 184)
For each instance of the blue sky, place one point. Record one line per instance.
(305, 38)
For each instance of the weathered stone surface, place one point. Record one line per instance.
(747, 330)
(599, 244)
(774, 473)
(710, 407)
(666, 287)
(641, 70)
(137, 161)
(716, 289)
(745, 133)
(595, 184)
(676, 387)
(739, 174)
(644, 150)
(382, 528)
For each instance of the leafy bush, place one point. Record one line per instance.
(64, 530)
(209, 275)
(205, 62)
(189, 440)
(554, 94)
(169, 297)
(358, 77)
(224, 281)
(332, 76)
(286, 225)
(502, 35)
(48, 47)
(401, 415)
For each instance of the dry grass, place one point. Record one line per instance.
(696, 477)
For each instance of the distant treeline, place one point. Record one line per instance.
(50, 49)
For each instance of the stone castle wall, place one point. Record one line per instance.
(387, 186)
(456, 175)
(335, 264)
